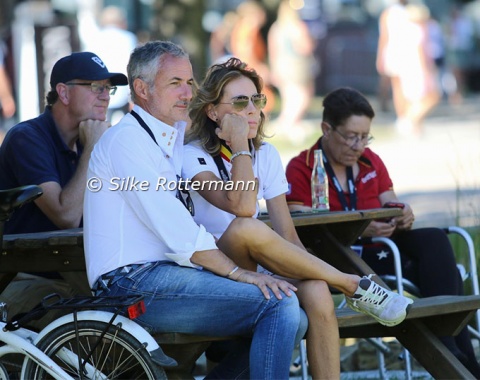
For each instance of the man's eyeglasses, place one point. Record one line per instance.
(355, 139)
(97, 88)
(241, 102)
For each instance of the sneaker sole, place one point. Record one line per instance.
(384, 322)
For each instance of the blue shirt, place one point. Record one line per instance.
(33, 153)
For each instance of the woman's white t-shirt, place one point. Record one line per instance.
(267, 168)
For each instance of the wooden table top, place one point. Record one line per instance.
(309, 218)
(74, 237)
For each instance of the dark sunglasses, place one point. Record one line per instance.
(241, 102)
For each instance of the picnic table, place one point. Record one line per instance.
(329, 235)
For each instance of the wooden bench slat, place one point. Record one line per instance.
(435, 308)
(181, 338)
(421, 308)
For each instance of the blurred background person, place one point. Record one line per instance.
(293, 67)
(437, 51)
(419, 74)
(7, 101)
(219, 43)
(460, 44)
(248, 44)
(391, 47)
(114, 43)
(403, 56)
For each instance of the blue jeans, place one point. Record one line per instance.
(191, 301)
(233, 355)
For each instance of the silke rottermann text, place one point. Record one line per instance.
(95, 184)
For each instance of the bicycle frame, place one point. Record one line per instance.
(129, 326)
(21, 341)
(104, 316)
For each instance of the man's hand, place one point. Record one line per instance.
(264, 282)
(90, 132)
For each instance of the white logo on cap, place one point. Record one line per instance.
(99, 62)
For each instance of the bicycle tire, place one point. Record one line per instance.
(118, 356)
(3, 373)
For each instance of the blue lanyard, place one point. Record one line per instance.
(350, 181)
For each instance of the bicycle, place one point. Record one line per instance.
(87, 343)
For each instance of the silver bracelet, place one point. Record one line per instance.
(232, 272)
(241, 153)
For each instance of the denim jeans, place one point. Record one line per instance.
(195, 301)
(233, 355)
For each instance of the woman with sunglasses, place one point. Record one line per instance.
(359, 180)
(225, 143)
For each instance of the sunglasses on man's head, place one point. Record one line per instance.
(239, 103)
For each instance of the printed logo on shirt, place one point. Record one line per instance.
(369, 176)
(201, 160)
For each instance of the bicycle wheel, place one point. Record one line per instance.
(118, 355)
(3, 373)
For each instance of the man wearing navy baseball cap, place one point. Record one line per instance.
(84, 65)
(52, 151)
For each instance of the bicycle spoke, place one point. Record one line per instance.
(118, 355)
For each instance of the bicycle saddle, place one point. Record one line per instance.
(12, 199)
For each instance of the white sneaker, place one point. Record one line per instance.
(387, 307)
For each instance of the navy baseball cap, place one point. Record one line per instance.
(86, 66)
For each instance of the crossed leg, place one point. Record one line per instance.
(248, 242)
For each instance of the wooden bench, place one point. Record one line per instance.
(329, 236)
(438, 316)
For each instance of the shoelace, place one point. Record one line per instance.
(374, 295)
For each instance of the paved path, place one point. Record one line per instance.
(439, 174)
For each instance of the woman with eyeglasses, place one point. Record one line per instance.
(232, 168)
(359, 180)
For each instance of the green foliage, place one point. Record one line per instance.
(460, 248)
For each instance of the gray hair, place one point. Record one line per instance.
(146, 60)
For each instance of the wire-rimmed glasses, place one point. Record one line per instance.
(96, 88)
(353, 140)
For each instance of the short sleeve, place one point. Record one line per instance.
(271, 173)
(298, 177)
(385, 183)
(195, 160)
(31, 157)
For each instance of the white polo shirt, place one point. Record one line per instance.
(128, 217)
(267, 168)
